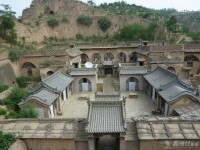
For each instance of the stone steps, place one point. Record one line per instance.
(108, 86)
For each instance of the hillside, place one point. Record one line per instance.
(34, 27)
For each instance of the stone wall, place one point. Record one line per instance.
(185, 101)
(123, 79)
(38, 61)
(51, 144)
(169, 144)
(114, 51)
(93, 80)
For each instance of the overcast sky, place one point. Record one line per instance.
(19, 5)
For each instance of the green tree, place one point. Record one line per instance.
(7, 23)
(171, 24)
(91, 3)
(28, 112)
(53, 23)
(13, 55)
(6, 140)
(16, 96)
(104, 23)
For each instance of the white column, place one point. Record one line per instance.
(64, 95)
(166, 109)
(153, 94)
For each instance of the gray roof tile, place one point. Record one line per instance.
(58, 81)
(159, 77)
(55, 51)
(82, 71)
(190, 110)
(175, 91)
(43, 96)
(167, 128)
(106, 117)
(133, 70)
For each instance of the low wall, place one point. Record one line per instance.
(170, 144)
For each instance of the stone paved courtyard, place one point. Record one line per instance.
(135, 107)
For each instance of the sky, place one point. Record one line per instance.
(192, 5)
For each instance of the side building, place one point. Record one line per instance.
(49, 96)
(168, 91)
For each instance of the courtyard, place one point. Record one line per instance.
(135, 107)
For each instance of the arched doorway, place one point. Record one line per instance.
(190, 59)
(50, 73)
(29, 66)
(172, 69)
(84, 58)
(133, 57)
(85, 85)
(132, 84)
(121, 57)
(96, 57)
(108, 142)
(108, 57)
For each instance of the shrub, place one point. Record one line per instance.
(79, 36)
(16, 96)
(28, 112)
(12, 115)
(6, 140)
(53, 23)
(65, 20)
(14, 55)
(3, 88)
(23, 81)
(104, 23)
(4, 101)
(2, 111)
(84, 20)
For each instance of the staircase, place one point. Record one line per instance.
(108, 84)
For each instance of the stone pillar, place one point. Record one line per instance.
(91, 142)
(153, 93)
(59, 112)
(122, 144)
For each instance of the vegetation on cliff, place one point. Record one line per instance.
(7, 24)
(6, 140)
(84, 20)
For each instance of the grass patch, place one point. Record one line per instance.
(3, 88)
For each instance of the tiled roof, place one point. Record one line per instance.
(73, 52)
(108, 63)
(192, 47)
(168, 129)
(175, 91)
(106, 117)
(158, 48)
(177, 81)
(189, 110)
(159, 77)
(167, 60)
(43, 96)
(82, 71)
(58, 81)
(107, 97)
(37, 129)
(133, 70)
(105, 47)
